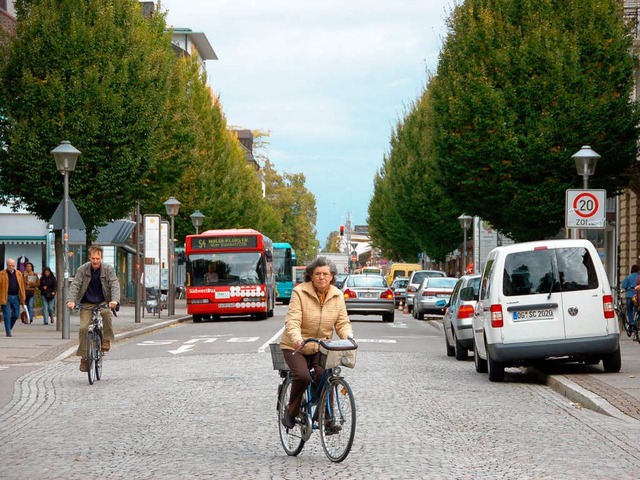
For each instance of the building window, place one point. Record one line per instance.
(3, 5)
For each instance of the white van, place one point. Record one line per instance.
(541, 300)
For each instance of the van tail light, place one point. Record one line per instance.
(496, 316)
(607, 305)
(465, 311)
(350, 294)
(388, 294)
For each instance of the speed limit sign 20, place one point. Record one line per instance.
(586, 208)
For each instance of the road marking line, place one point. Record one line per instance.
(265, 346)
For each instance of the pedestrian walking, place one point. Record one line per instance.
(48, 289)
(12, 295)
(31, 283)
(629, 285)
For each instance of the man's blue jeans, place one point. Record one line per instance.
(631, 311)
(30, 303)
(11, 312)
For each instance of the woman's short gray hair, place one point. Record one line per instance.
(321, 262)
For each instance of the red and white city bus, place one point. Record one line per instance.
(230, 272)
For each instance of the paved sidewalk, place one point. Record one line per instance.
(36, 342)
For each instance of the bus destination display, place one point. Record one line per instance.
(242, 241)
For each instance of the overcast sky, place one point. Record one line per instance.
(327, 79)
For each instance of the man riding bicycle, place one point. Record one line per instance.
(94, 283)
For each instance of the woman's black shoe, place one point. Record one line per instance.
(287, 420)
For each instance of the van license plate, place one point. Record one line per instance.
(533, 315)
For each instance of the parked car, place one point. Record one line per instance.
(415, 279)
(340, 278)
(432, 296)
(541, 300)
(458, 319)
(369, 295)
(399, 287)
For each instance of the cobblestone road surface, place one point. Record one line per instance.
(420, 415)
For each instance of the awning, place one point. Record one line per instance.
(23, 240)
(116, 233)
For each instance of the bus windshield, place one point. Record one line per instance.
(283, 262)
(239, 268)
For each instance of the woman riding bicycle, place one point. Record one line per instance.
(316, 308)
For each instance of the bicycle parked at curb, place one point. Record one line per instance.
(621, 310)
(95, 336)
(327, 406)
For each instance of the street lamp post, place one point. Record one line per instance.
(197, 218)
(586, 160)
(465, 223)
(66, 156)
(173, 206)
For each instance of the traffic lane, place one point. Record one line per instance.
(215, 416)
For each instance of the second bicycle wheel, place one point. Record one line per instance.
(337, 419)
(290, 438)
(91, 358)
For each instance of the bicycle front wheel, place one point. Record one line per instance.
(290, 438)
(337, 419)
(91, 357)
(98, 360)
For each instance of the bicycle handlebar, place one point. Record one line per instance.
(315, 340)
(102, 306)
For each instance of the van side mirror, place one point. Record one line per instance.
(467, 294)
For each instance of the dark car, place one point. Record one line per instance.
(369, 295)
(340, 278)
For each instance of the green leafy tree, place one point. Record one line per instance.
(288, 196)
(521, 86)
(97, 73)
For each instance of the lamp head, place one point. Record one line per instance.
(586, 160)
(173, 206)
(465, 220)
(197, 218)
(66, 156)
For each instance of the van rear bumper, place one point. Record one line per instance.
(574, 347)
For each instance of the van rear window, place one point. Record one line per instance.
(553, 270)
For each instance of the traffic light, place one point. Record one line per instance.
(342, 230)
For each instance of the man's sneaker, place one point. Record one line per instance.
(287, 420)
(83, 365)
(106, 345)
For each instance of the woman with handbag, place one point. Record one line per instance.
(31, 283)
(48, 288)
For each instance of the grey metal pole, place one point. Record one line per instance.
(172, 287)
(138, 272)
(464, 253)
(66, 322)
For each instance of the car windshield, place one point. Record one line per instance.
(441, 282)
(366, 281)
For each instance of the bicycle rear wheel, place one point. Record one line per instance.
(91, 357)
(337, 419)
(99, 355)
(290, 438)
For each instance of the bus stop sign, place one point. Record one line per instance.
(586, 208)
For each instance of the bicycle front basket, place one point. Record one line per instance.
(334, 353)
(277, 358)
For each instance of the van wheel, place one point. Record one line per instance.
(612, 363)
(481, 365)
(451, 351)
(461, 352)
(419, 315)
(494, 369)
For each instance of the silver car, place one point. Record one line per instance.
(414, 282)
(369, 295)
(458, 319)
(399, 287)
(432, 296)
